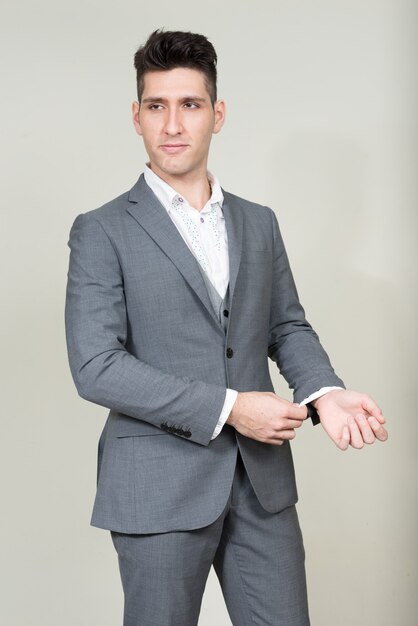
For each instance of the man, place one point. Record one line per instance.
(178, 292)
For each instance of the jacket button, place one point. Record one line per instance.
(226, 313)
(229, 353)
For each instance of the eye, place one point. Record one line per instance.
(191, 105)
(155, 107)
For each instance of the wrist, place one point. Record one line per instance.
(232, 417)
(236, 410)
(319, 402)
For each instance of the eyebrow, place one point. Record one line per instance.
(184, 99)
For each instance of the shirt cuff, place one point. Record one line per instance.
(318, 394)
(231, 396)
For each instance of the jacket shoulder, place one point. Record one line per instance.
(111, 215)
(110, 209)
(247, 206)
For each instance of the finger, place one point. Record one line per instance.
(345, 439)
(285, 434)
(294, 411)
(380, 432)
(366, 431)
(356, 440)
(287, 423)
(274, 442)
(371, 407)
(292, 423)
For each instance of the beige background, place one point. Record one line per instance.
(322, 126)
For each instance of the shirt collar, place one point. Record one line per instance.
(166, 194)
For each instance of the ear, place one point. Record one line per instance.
(220, 111)
(135, 117)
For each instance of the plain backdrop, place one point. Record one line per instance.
(322, 126)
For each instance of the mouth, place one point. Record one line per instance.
(173, 148)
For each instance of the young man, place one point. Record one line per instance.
(178, 292)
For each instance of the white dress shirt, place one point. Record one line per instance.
(205, 234)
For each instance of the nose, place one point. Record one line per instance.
(173, 125)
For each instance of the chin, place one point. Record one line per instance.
(173, 170)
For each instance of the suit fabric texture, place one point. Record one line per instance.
(145, 341)
(257, 556)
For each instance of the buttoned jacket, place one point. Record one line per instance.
(145, 341)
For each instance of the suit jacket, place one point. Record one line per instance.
(145, 342)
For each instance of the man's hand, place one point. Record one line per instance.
(350, 418)
(266, 417)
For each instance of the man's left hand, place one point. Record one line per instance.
(350, 418)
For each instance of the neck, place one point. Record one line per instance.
(194, 187)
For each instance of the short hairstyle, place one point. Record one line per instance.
(167, 50)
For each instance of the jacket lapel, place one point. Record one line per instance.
(152, 216)
(147, 210)
(234, 229)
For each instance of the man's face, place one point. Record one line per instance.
(176, 120)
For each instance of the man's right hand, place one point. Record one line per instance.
(264, 416)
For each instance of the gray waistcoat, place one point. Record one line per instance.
(219, 304)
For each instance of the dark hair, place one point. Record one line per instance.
(171, 49)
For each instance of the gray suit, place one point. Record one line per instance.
(145, 341)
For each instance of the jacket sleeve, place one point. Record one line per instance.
(103, 370)
(293, 344)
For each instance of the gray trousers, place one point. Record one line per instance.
(258, 558)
